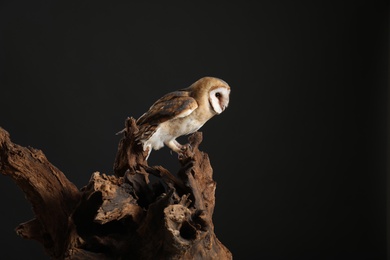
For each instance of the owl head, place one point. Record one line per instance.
(213, 91)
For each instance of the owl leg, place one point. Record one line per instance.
(184, 147)
(178, 148)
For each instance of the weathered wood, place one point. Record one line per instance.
(120, 216)
(52, 195)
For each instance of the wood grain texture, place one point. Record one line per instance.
(120, 216)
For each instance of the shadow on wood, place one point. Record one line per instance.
(119, 216)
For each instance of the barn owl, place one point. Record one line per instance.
(181, 112)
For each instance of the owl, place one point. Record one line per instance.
(181, 112)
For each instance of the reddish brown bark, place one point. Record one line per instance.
(119, 216)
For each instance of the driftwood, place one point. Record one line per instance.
(125, 215)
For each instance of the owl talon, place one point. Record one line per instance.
(186, 147)
(185, 151)
(181, 156)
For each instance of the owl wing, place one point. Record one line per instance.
(172, 105)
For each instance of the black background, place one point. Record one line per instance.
(299, 156)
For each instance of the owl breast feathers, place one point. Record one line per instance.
(181, 112)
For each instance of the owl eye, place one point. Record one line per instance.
(218, 95)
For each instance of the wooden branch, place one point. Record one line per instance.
(119, 216)
(52, 195)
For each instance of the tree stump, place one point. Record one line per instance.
(120, 216)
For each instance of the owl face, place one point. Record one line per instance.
(219, 98)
